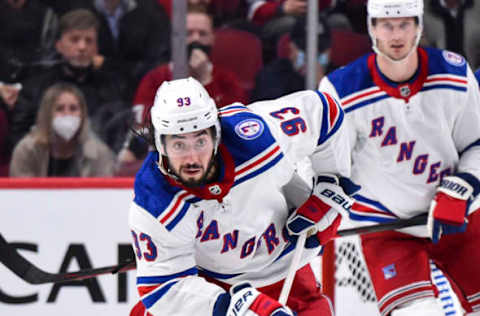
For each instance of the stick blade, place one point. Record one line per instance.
(28, 272)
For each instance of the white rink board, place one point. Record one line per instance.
(53, 219)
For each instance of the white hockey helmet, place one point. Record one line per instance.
(183, 106)
(394, 9)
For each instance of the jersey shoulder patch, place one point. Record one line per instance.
(445, 62)
(245, 133)
(453, 59)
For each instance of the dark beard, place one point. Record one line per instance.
(206, 178)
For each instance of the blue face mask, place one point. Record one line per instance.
(323, 59)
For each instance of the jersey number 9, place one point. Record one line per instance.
(291, 126)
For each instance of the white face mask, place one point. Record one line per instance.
(66, 126)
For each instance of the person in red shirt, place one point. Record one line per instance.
(222, 84)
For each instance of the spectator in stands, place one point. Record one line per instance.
(4, 155)
(221, 84)
(104, 91)
(25, 40)
(453, 25)
(222, 11)
(133, 37)
(277, 17)
(287, 75)
(25, 37)
(62, 144)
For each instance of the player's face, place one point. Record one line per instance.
(78, 47)
(395, 36)
(190, 155)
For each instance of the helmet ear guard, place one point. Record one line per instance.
(394, 9)
(183, 106)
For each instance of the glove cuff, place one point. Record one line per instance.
(456, 187)
(472, 180)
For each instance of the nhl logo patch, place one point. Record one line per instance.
(215, 189)
(405, 90)
(453, 58)
(249, 129)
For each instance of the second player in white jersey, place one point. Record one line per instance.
(414, 118)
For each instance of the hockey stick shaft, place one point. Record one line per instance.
(297, 255)
(397, 224)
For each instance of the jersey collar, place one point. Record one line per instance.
(404, 90)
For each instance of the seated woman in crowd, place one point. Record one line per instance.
(61, 144)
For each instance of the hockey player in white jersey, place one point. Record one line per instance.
(209, 216)
(414, 118)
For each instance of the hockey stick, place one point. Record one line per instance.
(402, 223)
(397, 224)
(292, 270)
(30, 273)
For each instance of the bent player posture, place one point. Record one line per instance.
(414, 118)
(211, 205)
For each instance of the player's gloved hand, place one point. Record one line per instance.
(449, 207)
(321, 214)
(247, 301)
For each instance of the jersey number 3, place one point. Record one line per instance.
(290, 126)
(151, 253)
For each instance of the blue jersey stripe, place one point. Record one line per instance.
(166, 278)
(325, 114)
(475, 143)
(179, 216)
(269, 165)
(155, 296)
(444, 86)
(376, 204)
(358, 217)
(365, 103)
(219, 276)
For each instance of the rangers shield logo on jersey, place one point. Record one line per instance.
(249, 129)
(453, 58)
(389, 271)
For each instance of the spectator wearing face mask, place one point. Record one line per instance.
(287, 75)
(61, 144)
(76, 46)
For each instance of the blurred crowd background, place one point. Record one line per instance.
(77, 77)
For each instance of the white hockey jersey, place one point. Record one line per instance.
(233, 229)
(405, 137)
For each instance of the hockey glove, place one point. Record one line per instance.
(449, 207)
(321, 214)
(247, 301)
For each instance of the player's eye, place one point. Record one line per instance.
(178, 146)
